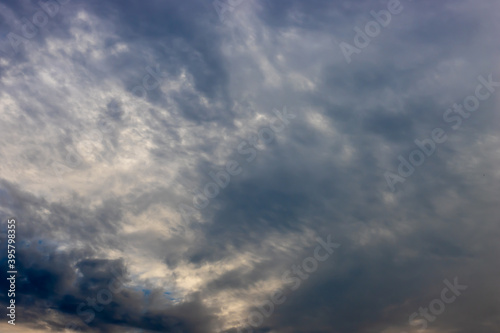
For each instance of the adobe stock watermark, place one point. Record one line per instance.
(454, 115)
(293, 279)
(73, 158)
(150, 81)
(438, 305)
(40, 19)
(247, 148)
(372, 29)
(86, 310)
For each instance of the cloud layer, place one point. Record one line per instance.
(123, 125)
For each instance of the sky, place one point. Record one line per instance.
(250, 166)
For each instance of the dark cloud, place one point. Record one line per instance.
(51, 280)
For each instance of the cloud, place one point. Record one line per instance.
(116, 114)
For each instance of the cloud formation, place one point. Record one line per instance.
(116, 114)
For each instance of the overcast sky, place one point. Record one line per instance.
(279, 166)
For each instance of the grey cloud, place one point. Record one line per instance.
(323, 175)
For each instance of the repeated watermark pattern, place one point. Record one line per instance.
(73, 157)
(437, 306)
(293, 279)
(247, 148)
(372, 29)
(29, 30)
(87, 310)
(88, 146)
(454, 116)
(150, 81)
